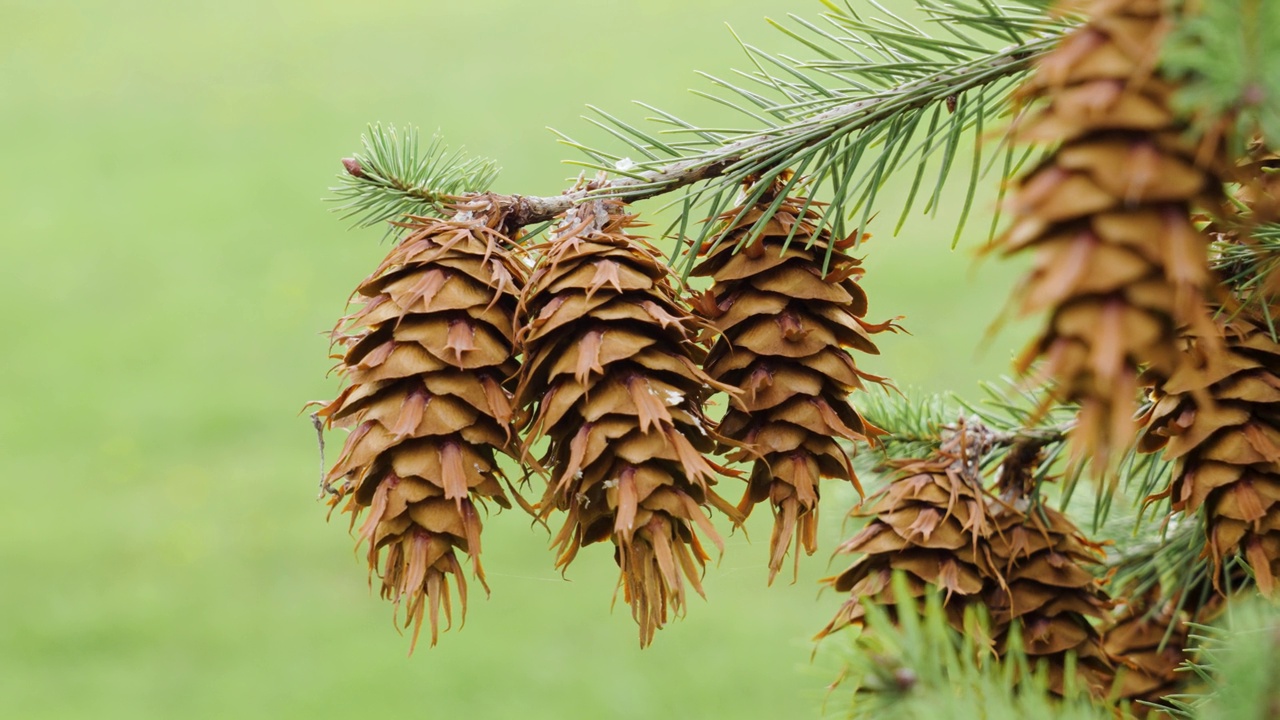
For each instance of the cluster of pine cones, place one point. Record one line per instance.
(472, 360)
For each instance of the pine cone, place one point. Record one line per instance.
(930, 523)
(611, 378)
(428, 356)
(1119, 264)
(1020, 562)
(1041, 566)
(1218, 417)
(1151, 651)
(785, 329)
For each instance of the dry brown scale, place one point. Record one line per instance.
(786, 329)
(1258, 176)
(428, 356)
(1021, 563)
(611, 379)
(1119, 265)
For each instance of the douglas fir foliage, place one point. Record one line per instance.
(635, 385)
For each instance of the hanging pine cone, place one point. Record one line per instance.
(785, 327)
(1042, 577)
(930, 524)
(428, 356)
(611, 378)
(1218, 417)
(1119, 265)
(1023, 563)
(1149, 638)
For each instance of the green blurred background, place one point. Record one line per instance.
(169, 266)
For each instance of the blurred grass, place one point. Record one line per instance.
(169, 267)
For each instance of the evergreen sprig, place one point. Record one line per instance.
(1248, 267)
(1168, 557)
(882, 96)
(396, 175)
(1238, 660)
(1226, 55)
(915, 423)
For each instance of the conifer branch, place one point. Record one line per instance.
(1016, 420)
(904, 98)
(918, 426)
(1226, 53)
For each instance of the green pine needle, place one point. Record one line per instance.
(1247, 267)
(1239, 660)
